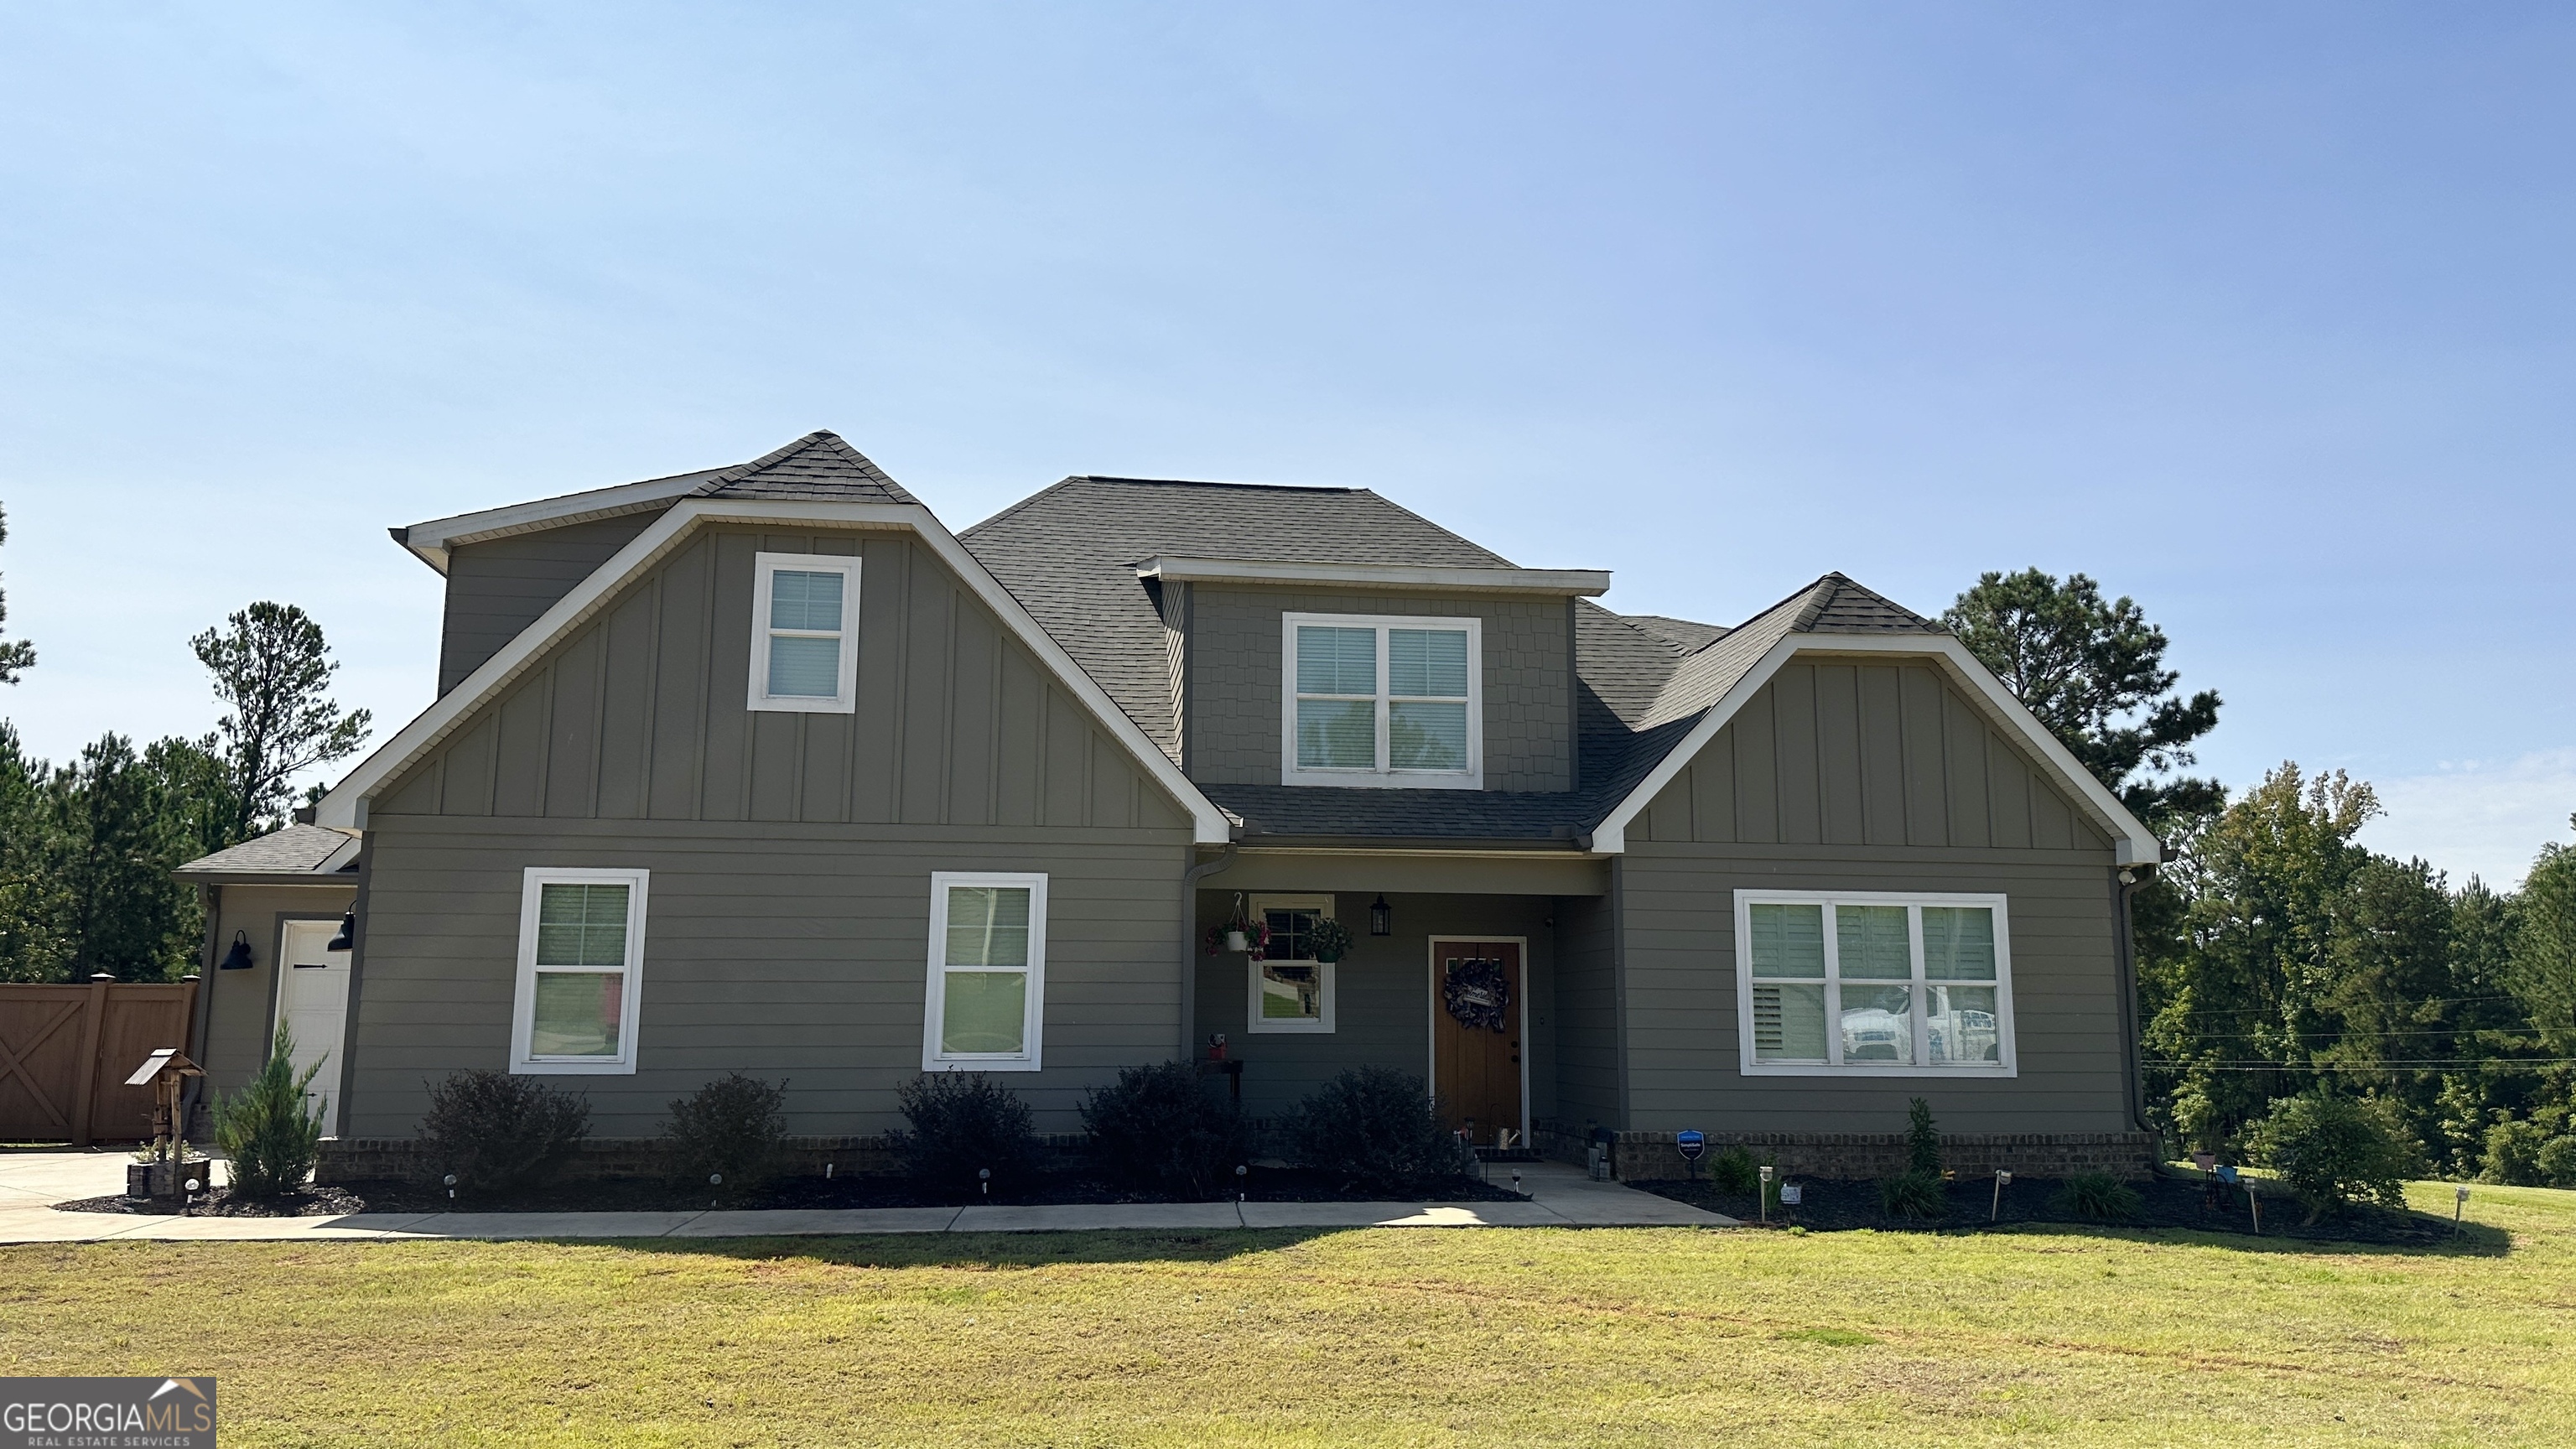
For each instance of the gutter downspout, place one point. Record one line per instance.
(2124, 884)
(1190, 879)
(210, 901)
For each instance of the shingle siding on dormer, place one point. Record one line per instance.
(1236, 674)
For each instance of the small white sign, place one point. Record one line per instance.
(1792, 1194)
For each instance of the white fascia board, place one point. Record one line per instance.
(1587, 582)
(432, 540)
(2133, 843)
(346, 806)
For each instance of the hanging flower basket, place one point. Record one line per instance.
(1240, 934)
(1478, 994)
(1332, 939)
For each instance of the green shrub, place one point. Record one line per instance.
(1922, 1139)
(734, 1126)
(2557, 1162)
(1913, 1193)
(1734, 1170)
(1375, 1129)
(500, 1133)
(2098, 1197)
(2513, 1154)
(964, 1124)
(265, 1128)
(1162, 1128)
(2334, 1151)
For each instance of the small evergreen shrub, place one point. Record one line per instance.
(964, 1124)
(1376, 1129)
(2098, 1197)
(1161, 1128)
(500, 1133)
(265, 1128)
(734, 1126)
(2334, 1151)
(1734, 1170)
(1913, 1193)
(1922, 1140)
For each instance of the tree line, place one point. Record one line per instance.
(2279, 960)
(86, 848)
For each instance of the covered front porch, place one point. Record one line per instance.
(1452, 972)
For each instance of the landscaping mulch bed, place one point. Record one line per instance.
(619, 1194)
(2169, 1202)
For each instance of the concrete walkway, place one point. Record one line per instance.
(1560, 1196)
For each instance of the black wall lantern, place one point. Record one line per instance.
(1381, 917)
(348, 936)
(238, 958)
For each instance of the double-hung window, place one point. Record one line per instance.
(1873, 984)
(1383, 701)
(1291, 991)
(581, 971)
(804, 633)
(987, 972)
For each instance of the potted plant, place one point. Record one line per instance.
(1240, 933)
(1331, 938)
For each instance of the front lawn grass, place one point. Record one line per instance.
(1492, 1336)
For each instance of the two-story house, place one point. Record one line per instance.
(764, 769)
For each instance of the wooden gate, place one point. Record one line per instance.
(65, 1052)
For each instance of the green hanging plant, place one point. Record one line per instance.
(1332, 939)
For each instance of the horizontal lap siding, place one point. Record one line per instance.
(241, 1005)
(1587, 1012)
(1866, 777)
(791, 853)
(797, 952)
(1236, 673)
(1382, 995)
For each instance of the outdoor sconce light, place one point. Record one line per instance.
(1381, 917)
(348, 936)
(238, 958)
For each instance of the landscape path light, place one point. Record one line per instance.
(1766, 1192)
(2003, 1180)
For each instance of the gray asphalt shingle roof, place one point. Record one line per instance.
(817, 467)
(297, 849)
(1068, 555)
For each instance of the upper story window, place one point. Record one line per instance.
(1383, 701)
(804, 633)
(1873, 984)
(581, 971)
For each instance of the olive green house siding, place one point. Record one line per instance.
(1842, 776)
(497, 588)
(788, 909)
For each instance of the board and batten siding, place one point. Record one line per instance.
(498, 587)
(1866, 777)
(788, 914)
(1235, 677)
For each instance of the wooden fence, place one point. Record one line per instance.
(65, 1052)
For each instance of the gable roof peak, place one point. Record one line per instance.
(1838, 604)
(819, 465)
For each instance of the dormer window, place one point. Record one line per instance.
(804, 645)
(1378, 701)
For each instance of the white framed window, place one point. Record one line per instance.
(1870, 983)
(1382, 701)
(987, 971)
(804, 633)
(1289, 989)
(581, 972)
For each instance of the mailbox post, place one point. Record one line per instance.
(166, 1072)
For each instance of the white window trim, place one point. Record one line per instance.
(1746, 1065)
(523, 1010)
(935, 1002)
(846, 699)
(1383, 776)
(1253, 1020)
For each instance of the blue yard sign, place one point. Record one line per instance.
(1691, 1143)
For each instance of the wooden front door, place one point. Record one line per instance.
(1476, 1038)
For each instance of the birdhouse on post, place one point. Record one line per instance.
(166, 1072)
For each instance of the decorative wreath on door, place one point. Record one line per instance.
(1478, 994)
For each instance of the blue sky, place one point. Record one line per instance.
(2262, 318)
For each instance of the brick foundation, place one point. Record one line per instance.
(1864, 1156)
(357, 1159)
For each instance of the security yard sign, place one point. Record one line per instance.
(1692, 1144)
